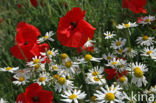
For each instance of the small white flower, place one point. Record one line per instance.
(47, 36)
(117, 44)
(109, 56)
(89, 43)
(3, 101)
(147, 20)
(43, 78)
(149, 51)
(50, 53)
(35, 60)
(73, 96)
(109, 35)
(113, 63)
(138, 71)
(87, 58)
(21, 79)
(122, 80)
(109, 95)
(63, 84)
(130, 52)
(128, 25)
(10, 69)
(145, 40)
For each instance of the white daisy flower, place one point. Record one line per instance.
(128, 25)
(92, 100)
(89, 43)
(35, 60)
(109, 56)
(113, 63)
(3, 101)
(149, 51)
(117, 44)
(147, 20)
(96, 80)
(71, 96)
(130, 52)
(121, 65)
(21, 79)
(69, 67)
(153, 89)
(119, 51)
(47, 36)
(38, 67)
(10, 69)
(109, 95)
(87, 58)
(123, 80)
(145, 40)
(95, 71)
(109, 35)
(50, 53)
(43, 78)
(54, 67)
(138, 70)
(63, 84)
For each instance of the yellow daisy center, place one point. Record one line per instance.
(122, 79)
(62, 80)
(93, 98)
(149, 52)
(73, 96)
(109, 34)
(145, 37)
(138, 72)
(64, 56)
(41, 79)
(129, 49)
(21, 79)
(37, 66)
(114, 63)
(154, 102)
(54, 67)
(46, 37)
(68, 64)
(118, 43)
(147, 20)
(96, 79)
(8, 68)
(120, 66)
(120, 51)
(49, 52)
(95, 73)
(109, 58)
(88, 57)
(110, 96)
(127, 25)
(56, 76)
(36, 61)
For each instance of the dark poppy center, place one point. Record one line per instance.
(73, 24)
(26, 43)
(35, 99)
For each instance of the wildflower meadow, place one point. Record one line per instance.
(77, 51)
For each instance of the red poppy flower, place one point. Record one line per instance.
(26, 42)
(34, 3)
(136, 6)
(112, 73)
(35, 94)
(73, 30)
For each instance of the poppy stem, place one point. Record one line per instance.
(22, 52)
